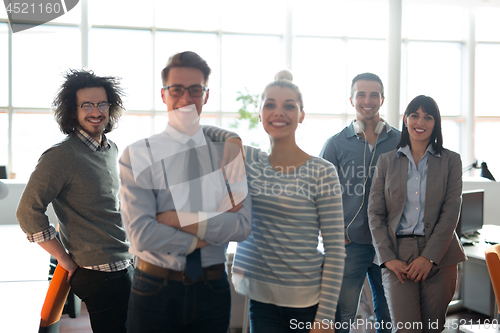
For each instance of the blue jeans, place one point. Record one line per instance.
(270, 318)
(160, 305)
(358, 264)
(106, 297)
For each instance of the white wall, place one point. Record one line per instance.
(491, 198)
(8, 205)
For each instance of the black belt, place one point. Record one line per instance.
(408, 236)
(210, 273)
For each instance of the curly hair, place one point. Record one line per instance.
(65, 102)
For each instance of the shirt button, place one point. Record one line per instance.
(416, 192)
(417, 178)
(417, 208)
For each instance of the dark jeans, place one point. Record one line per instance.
(160, 305)
(106, 297)
(270, 318)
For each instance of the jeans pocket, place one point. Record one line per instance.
(218, 286)
(146, 285)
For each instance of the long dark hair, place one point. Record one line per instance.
(428, 106)
(64, 104)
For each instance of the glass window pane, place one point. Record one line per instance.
(258, 16)
(32, 134)
(451, 135)
(359, 62)
(56, 49)
(3, 13)
(4, 62)
(482, 147)
(133, 64)
(319, 18)
(340, 18)
(207, 47)
(160, 122)
(256, 137)
(487, 24)
(203, 15)
(487, 84)
(122, 12)
(248, 61)
(72, 16)
(434, 69)
(4, 139)
(320, 75)
(314, 131)
(131, 128)
(360, 18)
(434, 22)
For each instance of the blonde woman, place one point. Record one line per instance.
(292, 286)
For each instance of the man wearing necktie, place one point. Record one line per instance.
(180, 213)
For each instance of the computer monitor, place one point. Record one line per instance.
(471, 212)
(3, 172)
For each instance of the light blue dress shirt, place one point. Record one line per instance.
(412, 220)
(159, 244)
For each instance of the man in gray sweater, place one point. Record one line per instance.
(79, 177)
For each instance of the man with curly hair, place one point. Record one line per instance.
(79, 177)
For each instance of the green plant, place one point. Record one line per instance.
(248, 111)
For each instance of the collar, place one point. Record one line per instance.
(90, 142)
(406, 151)
(198, 137)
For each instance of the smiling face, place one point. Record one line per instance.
(184, 111)
(420, 126)
(94, 122)
(280, 112)
(367, 99)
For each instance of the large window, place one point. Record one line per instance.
(324, 42)
(487, 86)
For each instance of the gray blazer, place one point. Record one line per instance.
(442, 206)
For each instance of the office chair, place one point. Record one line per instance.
(54, 302)
(492, 255)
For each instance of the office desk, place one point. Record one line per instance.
(477, 290)
(23, 281)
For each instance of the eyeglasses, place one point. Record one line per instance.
(178, 90)
(102, 106)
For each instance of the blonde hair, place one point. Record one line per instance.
(284, 79)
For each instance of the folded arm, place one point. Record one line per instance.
(138, 211)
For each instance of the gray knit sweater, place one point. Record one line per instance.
(83, 187)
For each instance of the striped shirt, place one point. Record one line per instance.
(279, 262)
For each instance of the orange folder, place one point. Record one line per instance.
(54, 301)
